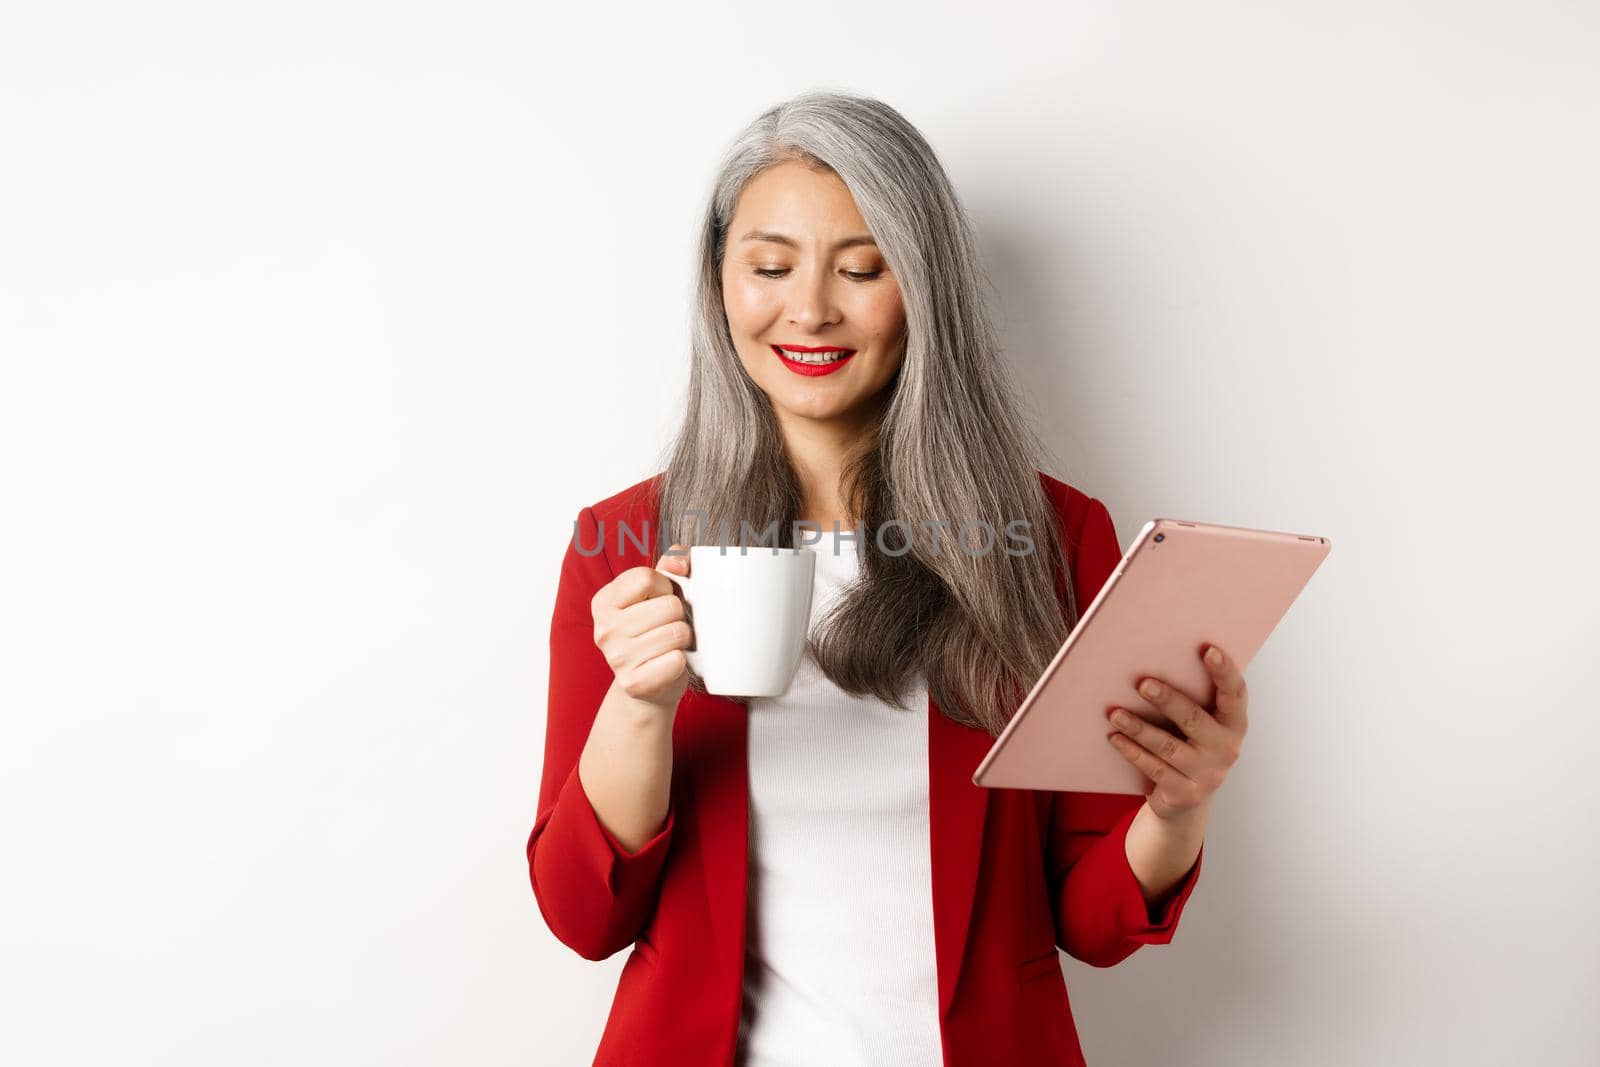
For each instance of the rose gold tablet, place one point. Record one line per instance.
(1179, 588)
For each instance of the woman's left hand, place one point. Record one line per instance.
(1186, 769)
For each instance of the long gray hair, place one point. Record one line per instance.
(950, 447)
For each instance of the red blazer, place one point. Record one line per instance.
(1017, 873)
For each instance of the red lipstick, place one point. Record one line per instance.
(813, 370)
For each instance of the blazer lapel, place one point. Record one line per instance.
(714, 736)
(956, 810)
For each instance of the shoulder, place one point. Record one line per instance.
(619, 528)
(1092, 546)
(1072, 504)
(632, 504)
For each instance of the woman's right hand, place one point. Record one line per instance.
(640, 626)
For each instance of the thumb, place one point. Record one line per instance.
(677, 564)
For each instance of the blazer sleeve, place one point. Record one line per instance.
(1100, 911)
(595, 895)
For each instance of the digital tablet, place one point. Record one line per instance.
(1180, 587)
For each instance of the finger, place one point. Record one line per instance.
(1232, 697)
(638, 584)
(675, 559)
(1177, 754)
(1150, 765)
(658, 670)
(1180, 709)
(634, 585)
(652, 643)
(648, 614)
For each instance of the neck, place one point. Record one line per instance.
(818, 450)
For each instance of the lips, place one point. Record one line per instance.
(812, 370)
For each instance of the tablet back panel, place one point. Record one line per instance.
(1166, 601)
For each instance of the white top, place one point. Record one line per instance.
(839, 961)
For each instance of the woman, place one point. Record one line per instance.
(814, 878)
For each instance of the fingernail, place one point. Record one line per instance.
(1213, 657)
(1150, 689)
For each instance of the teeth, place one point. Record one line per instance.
(815, 357)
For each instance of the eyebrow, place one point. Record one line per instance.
(781, 239)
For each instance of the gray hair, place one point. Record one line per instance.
(950, 445)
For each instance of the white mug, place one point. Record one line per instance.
(750, 607)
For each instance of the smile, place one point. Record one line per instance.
(813, 361)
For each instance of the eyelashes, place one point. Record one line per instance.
(853, 275)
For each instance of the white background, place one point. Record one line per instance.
(321, 321)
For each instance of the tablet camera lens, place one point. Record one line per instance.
(1160, 537)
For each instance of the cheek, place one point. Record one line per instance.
(749, 307)
(883, 312)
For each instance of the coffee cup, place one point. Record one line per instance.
(750, 608)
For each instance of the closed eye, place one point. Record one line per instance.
(853, 275)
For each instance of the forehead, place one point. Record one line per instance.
(793, 204)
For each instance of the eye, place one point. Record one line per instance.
(853, 275)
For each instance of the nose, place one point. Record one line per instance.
(811, 303)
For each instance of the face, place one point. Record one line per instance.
(802, 271)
